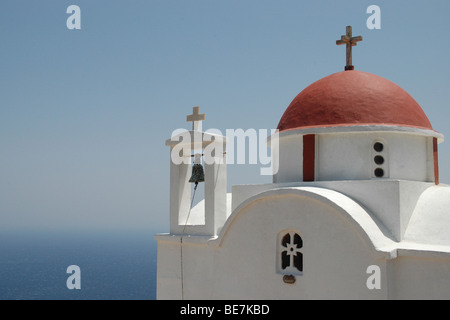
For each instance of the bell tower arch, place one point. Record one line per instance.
(183, 147)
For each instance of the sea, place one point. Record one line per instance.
(38, 265)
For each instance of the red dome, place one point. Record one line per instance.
(350, 98)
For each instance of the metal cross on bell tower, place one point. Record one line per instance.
(350, 42)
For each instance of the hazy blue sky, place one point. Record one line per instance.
(84, 114)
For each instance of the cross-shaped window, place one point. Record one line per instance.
(291, 256)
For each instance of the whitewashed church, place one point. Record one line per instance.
(355, 211)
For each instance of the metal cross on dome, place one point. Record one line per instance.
(349, 41)
(195, 118)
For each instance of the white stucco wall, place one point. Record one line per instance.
(289, 159)
(242, 262)
(340, 241)
(335, 255)
(349, 156)
(392, 202)
(413, 277)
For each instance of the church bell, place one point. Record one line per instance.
(198, 174)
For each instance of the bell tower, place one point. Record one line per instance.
(184, 147)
